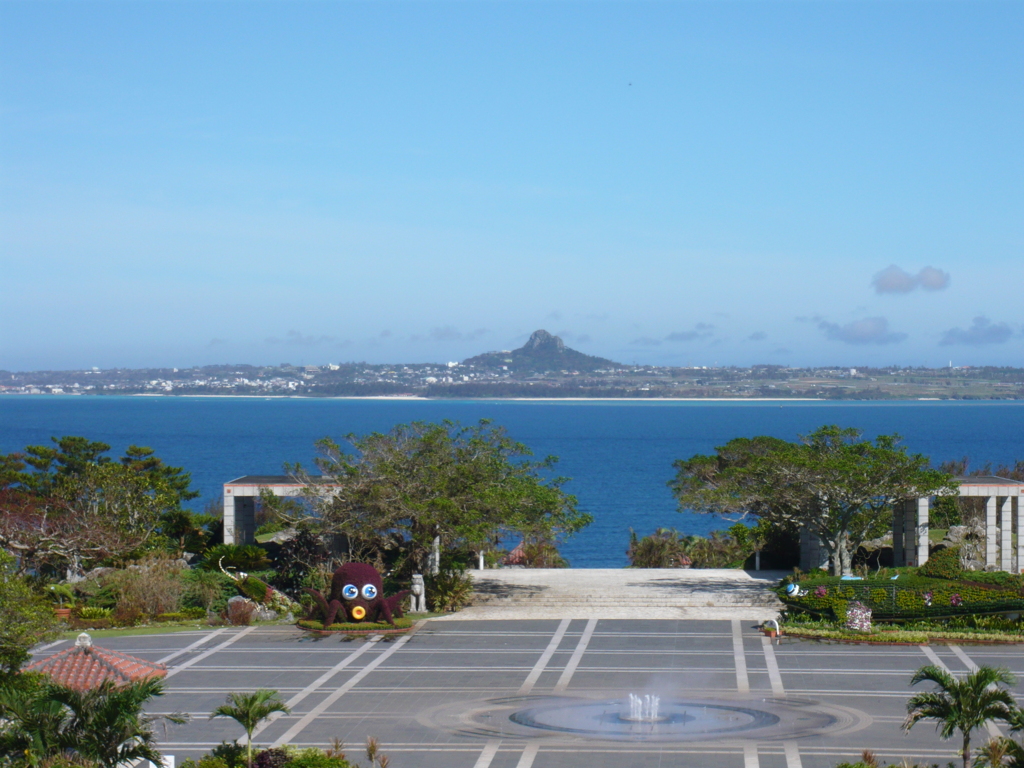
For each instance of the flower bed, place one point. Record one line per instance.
(903, 637)
(910, 596)
(402, 626)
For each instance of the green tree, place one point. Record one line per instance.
(249, 710)
(961, 705)
(105, 725)
(69, 506)
(466, 485)
(26, 618)
(839, 487)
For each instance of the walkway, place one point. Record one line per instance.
(441, 698)
(623, 593)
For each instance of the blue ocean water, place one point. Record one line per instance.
(618, 454)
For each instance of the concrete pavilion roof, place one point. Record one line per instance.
(270, 480)
(986, 480)
(84, 666)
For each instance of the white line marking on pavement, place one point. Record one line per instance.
(490, 749)
(750, 759)
(774, 676)
(577, 657)
(967, 660)
(742, 681)
(316, 684)
(933, 657)
(194, 645)
(206, 654)
(47, 646)
(528, 756)
(542, 662)
(993, 730)
(792, 753)
(320, 708)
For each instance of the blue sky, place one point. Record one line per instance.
(667, 183)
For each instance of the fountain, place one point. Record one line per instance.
(619, 716)
(644, 709)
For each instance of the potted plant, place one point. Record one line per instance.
(64, 600)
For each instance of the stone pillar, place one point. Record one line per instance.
(910, 532)
(990, 531)
(1006, 529)
(245, 520)
(229, 517)
(1019, 563)
(899, 511)
(922, 530)
(434, 562)
(812, 554)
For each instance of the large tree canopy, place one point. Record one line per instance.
(839, 487)
(466, 485)
(69, 506)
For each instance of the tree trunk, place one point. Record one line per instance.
(967, 749)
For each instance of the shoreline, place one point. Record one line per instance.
(420, 398)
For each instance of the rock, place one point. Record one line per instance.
(264, 614)
(238, 599)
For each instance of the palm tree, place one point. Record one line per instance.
(109, 725)
(961, 705)
(105, 725)
(249, 710)
(34, 728)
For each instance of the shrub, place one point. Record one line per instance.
(230, 752)
(315, 758)
(541, 553)
(208, 590)
(944, 564)
(271, 758)
(94, 612)
(449, 590)
(662, 549)
(246, 558)
(148, 587)
(239, 613)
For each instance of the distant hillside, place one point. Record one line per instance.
(543, 352)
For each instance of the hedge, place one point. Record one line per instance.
(914, 597)
(360, 626)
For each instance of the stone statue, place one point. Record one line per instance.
(418, 603)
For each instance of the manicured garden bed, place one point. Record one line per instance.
(402, 626)
(888, 636)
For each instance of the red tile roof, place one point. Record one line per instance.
(85, 666)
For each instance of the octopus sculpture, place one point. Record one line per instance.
(357, 591)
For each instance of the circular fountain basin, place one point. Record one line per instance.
(608, 717)
(677, 719)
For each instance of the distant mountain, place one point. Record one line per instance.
(543, 352)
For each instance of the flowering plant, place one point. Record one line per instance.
(858, 617)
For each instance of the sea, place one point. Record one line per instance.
(618, 454)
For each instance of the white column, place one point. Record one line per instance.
(909, 532)
(229, 517)
(1006, 545)
(1019, 563)
(990, 531)
(898, 513)
(922, 531)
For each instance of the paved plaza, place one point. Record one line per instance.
(451, 695)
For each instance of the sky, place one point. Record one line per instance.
(669, 183)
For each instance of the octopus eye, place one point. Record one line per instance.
(350, 592)
(369, 591)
